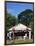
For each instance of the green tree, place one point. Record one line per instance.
(25, 17)
(10, 21)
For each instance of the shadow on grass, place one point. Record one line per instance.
(20, 43)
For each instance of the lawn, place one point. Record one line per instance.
(21, 41)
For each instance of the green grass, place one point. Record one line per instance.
(27, 41)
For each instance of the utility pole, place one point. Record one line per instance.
(14, 30)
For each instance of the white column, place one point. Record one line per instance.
(10, 35)
(25, 36)
(29, 34)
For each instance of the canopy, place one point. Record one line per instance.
(19, 27)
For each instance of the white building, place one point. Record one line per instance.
(21, 28)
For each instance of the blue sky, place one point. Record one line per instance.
(16, 8)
